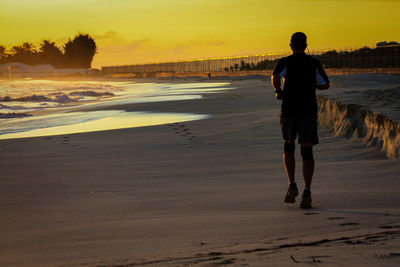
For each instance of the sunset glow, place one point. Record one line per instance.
(135, 31)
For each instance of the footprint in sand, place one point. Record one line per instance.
(389, 226)
(389, 255)
(336, 218)
(317, 259)
(355, 242)
(184, 131)
(66, 141)
(348, 224)
(226, 262)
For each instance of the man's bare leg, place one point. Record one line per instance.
(290, 166)
(308, 168)
(290, 163)
(308, 171)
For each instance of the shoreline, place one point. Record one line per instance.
(43, 114)
(342, 118)
(205, 192)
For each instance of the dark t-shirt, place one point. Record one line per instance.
(301, 74)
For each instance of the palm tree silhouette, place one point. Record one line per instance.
(51, 54)
(28, 48)
(80, 51)
(3, 54)
(48, 47)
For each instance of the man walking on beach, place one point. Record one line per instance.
(302, 75)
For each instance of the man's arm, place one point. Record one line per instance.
(322, 78)
(279, 72)
(276, 83)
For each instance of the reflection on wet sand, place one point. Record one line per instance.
(72, 123)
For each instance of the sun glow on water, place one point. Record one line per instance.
(94, 121)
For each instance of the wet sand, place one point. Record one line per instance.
(203, 193)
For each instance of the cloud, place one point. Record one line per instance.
(112, 43)
(120, 53)
(109, 37)
(114, 50)
(106, 36)
(200, 42)
(125, 48)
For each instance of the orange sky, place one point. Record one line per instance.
(138, 31)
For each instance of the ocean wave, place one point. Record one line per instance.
(358, 122)
(31, 98)
(56, 97)
(92, 94)
(3, 107)
(12, 115)
(61, 98)
(96, 87)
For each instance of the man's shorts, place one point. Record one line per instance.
(305, 127)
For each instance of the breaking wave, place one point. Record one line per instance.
(356, 121)
(12, 115)
(61, 98)
(32, 98)
(57, 97)
(92, 94)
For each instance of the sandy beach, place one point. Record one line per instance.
(200, 193)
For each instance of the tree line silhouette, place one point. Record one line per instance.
(75, 53)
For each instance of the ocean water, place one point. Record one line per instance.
(31, 108)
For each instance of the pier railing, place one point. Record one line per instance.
(362, 58)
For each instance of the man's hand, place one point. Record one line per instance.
(323, 86)
(278, 94)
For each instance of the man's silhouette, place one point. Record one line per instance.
(302, 75)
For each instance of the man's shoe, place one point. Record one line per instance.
(291, 193)
(306, 199)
